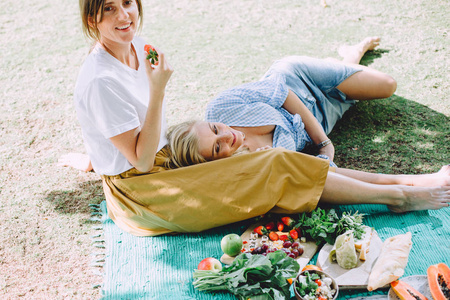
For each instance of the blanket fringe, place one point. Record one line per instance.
(98, 241)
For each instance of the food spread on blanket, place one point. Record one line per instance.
(265, 259)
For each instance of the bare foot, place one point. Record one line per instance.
(354, 53)
(441, 178)
(76, 160)
(423, 198)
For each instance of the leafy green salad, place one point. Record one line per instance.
(312, 286)
(258, 276)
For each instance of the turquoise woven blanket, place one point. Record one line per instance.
(161, 267)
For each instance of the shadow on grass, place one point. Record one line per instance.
(370, 56)
(393, 135)
(78, 199)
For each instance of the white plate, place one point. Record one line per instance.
(355, 278)
(418, 282)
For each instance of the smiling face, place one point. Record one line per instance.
(217, 140)
(119, 22)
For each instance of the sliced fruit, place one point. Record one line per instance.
(439, 281)
(273, 236)
(312, 267)
(406, 292)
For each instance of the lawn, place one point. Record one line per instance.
(45, 224)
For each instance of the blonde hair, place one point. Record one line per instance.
(89, 10)
(183, 145)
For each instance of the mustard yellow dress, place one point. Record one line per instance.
(213, 194)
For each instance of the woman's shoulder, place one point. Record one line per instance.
(95, 78)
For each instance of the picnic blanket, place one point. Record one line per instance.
(161, 267)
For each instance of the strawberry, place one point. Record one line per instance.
(287, 221)
(151, 54)
(294, 234)
(283, 237)
(273, 236)
(270, 225)
(261, 230)
(280, 226)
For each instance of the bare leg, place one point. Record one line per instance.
(369, 83)
(342, 190)
(440, 178)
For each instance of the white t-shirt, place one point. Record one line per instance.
(111, 98)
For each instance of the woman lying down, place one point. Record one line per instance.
(297, 102)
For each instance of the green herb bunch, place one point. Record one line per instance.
(258, 276)
(323, 225)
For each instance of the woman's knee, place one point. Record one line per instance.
(368, 84)
(390, 86)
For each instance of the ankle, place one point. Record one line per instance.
(399, 195)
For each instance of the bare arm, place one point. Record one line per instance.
(139, 145)
(295, 106)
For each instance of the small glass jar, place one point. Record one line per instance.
(264, 239)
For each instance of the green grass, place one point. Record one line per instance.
(394, 135)
(212, 45)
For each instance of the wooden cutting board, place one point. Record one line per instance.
(310, 248)
(355, 278)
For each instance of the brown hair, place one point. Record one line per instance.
(89, 9)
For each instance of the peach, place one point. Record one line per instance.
(210, 264)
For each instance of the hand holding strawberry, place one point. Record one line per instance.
(152, 55)
(158, 72)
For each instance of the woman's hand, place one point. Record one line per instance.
(78, 161)
(328, 150)
(159, 73)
